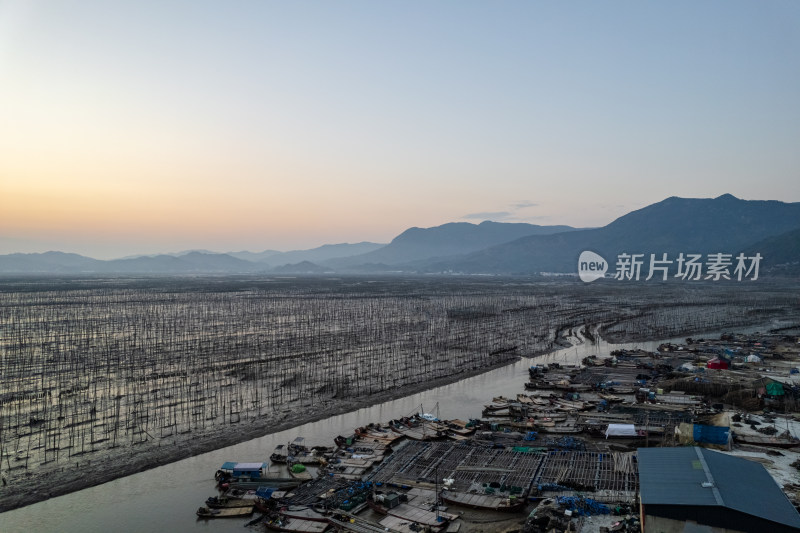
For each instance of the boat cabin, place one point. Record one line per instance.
(244, 471)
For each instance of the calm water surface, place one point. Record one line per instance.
(166, 498)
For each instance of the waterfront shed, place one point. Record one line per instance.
(248, 470)
(621, 430)
(716, 363)
(705, 490)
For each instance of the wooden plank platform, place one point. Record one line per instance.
(421, 516)
(299, 525)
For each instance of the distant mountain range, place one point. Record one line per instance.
(676, 225)
(720, 225)
(453, 239)
(315, 255)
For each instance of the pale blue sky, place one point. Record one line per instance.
(141, 127)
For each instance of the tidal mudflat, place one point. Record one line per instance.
(103, 378)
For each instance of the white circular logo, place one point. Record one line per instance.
(591, 266)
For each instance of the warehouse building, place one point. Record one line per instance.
(692, 489)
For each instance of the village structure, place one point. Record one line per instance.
(699, 436)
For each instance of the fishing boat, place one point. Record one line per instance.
(298, 452)
(417, 430)
(610, 398)
(251, 475)
(536, 370)
(486, 502)
(497, 413)
(296, 525)
(232, 512)
(459, 427)
(533, 385)
(376, 433)
(495, 406)
(225, 502)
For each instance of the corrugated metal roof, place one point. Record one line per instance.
(249, 466)
(676, 476)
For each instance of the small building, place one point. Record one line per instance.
(244, 471)
(621, 430)
(718, 364)
(699, 490)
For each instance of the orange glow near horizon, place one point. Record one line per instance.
(273, 126)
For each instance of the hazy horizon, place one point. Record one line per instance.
(159, 127)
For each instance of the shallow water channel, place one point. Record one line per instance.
(166, 498)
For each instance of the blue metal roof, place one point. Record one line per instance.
(701, 477)
(248, 466)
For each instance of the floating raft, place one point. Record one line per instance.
(421, 516)
(401, 525)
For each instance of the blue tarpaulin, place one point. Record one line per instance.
(711, 434)
(265, 492)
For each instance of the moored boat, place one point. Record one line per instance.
(296, 525)
(224, 502)
(232, 512)
(487, 502)
(303, 512)
(251, 475)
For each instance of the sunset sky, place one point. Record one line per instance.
(145, 127)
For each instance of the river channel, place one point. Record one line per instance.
(166, 498)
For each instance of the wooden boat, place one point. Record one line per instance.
(296, 525)
(621, 390)
(558, 428)
(498, 413)
(422, 431)
(377, 434)
(533, 385)
(298, 452)
(572, 404)
(459, 427)
(536, 370)
(610, 398)
(547, 413)
(496, 406)
(574, 387)
(232, 512)
(487, 502)
(224, 502)
(251, 476)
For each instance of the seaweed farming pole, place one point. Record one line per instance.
(436, 493)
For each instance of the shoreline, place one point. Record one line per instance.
(105, 469)
(38, 488)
